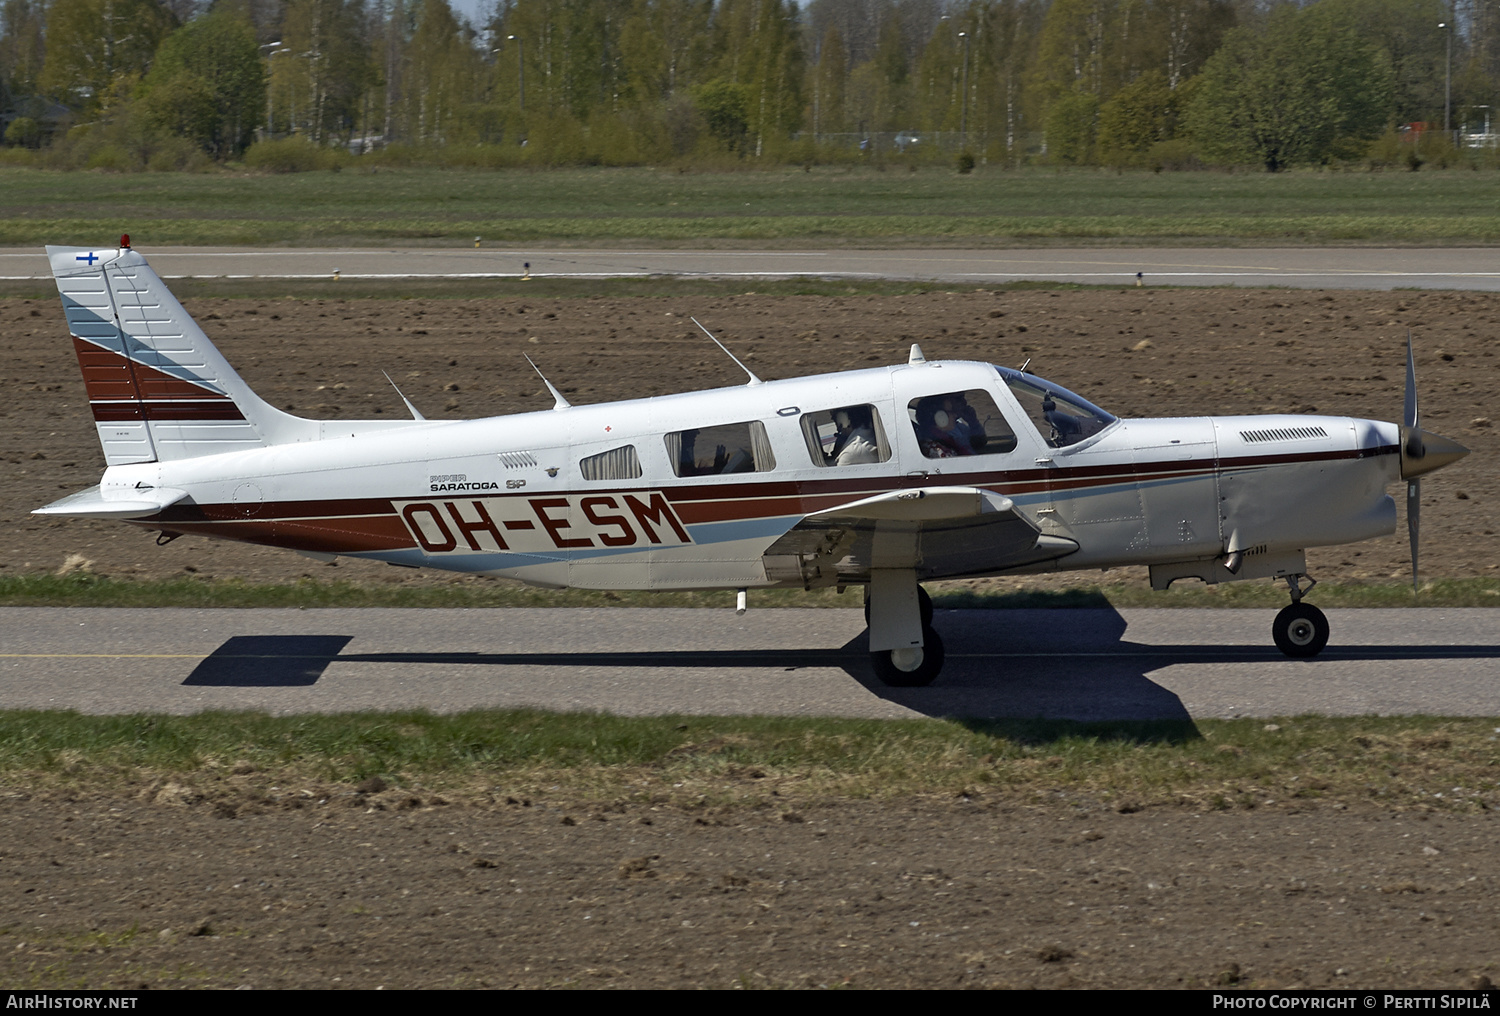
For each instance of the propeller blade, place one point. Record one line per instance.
(1412, 449)
(1409, 416)
(1413, 524)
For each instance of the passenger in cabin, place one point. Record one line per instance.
(739, 460)
(687, 462)
(855, 441)
(947, 426)
(966, 421)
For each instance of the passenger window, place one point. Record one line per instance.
(616, 464)
(848, 436)
(727, 448)
(960, 423)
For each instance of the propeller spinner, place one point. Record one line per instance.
(1421, 452)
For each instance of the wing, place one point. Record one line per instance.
(940, 532)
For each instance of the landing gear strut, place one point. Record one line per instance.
(905, 651)
(924, 604)
(1300, 630)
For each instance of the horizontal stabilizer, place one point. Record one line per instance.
(124, 503)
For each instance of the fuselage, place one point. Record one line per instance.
(689, 491)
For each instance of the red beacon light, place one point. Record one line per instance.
(124, 241)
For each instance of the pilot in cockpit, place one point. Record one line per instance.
(1067, 428)
(854, 442)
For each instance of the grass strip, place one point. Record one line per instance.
(83, 589)
(888, 230)
(493, 756)
(823, 205)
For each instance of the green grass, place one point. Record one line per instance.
(784, 206)
(493, 755)
(82, 589)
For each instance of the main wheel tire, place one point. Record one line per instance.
(1300, 630)
(924, 604)
(910, 668)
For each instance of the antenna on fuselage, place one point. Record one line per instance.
(1025, 365)
(558, 402)
(753, 379)
(415, 413)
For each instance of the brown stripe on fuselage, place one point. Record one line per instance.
(282, 511)
(332, 535)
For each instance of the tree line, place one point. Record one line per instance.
(1163, 83)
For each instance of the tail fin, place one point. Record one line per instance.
(158, 388)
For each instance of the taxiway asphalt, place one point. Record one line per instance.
(1077, 664)
(1296, 267)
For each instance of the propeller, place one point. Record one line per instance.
(1411, 447)
(1421, 452)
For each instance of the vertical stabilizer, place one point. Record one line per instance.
(158, 388)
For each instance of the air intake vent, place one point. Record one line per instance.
(1284, 434)
(517, 460)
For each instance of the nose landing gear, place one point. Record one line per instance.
(1300, 630)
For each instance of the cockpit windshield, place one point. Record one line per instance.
(1061, 417)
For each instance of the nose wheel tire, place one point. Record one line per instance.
(1300, 630)
(910, 668)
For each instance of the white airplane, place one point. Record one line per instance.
(881, 478)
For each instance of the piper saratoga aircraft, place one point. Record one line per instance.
(880, 478)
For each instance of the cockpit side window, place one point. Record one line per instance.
(847, 436)
(722, 449)
(960, 423)
(1062, 417)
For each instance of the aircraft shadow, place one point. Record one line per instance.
(1078, 667)
(268, 661)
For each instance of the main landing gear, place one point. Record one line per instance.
(924, 604)
(1300, 630)
(905, 650)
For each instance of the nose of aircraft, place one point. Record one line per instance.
(1423, 451)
